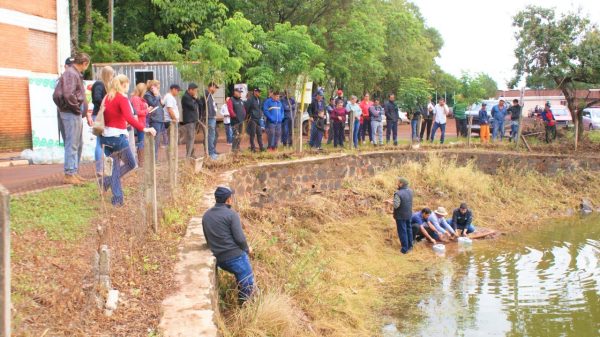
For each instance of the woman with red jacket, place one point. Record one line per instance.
(365, 119)
(117, 114)
(141, 108)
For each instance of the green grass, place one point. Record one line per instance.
(64, 214)
(594, 136)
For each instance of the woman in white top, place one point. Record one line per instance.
(354, 116)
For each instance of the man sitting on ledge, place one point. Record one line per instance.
(223, 231)
(462, 220)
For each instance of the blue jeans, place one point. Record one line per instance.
(118, 148)
(377, 131)
(242, 270)
(319, 139)
(393, 128)
(98, 152)
(212, 136)
(160, 128)
(405, 234)
(442, 128)
(514, 130)
(286, 131)
(498, 130)
(338, 133)
(313, 134)
(73, 125)
(229, 133)
(414, 126)
(470, 228)
(355, 132)
(274, 134)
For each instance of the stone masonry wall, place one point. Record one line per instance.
(276, 181)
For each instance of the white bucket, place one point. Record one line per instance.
(439, 248)
(465, 241)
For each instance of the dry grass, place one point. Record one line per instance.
(331, 265)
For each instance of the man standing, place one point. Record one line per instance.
(427, 120)
(440, 111)
(289, 106)
(255, 116)
(550, 122)
(403, 199)
(515, 116)
(376, 113)
(69, 96)
(462, 219)
(237, 113)
(391, 119)
(414, 124)
(460, 116)
(209, 106)
(225, 237)
(498, 114)
(365, 123)
(329, 109)
(171, 110)
(313, 114)
(191, 115)
(484, 124)
(273, 110)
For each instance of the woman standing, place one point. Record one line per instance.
(355, 115)
(99, 89)
(141, 108)
(157, 117)
(338, 119)
(117, 115)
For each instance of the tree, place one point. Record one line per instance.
(475, 88)
(192, 16)
(88, 22)
(219, 56)
(563, 49)
(74, 13)
(101, 50)
(414, 92)
(158, 48)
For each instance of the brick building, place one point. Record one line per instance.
(34, 35)
(539, 97)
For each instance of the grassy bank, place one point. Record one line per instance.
(329, 264)
(54, 236)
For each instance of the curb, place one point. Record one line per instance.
(17, 162)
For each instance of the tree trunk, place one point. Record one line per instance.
(111, 13)
(74, 25)
(575, 115)
(88, 22)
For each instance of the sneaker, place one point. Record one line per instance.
(71, 179)
(214, 157)
(82, 179)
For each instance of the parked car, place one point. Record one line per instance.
(562, 115)
(591, 118)
(402, 118)
(474, 111)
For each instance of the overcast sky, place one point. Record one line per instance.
(478, 35)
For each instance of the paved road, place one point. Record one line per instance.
(19, 179)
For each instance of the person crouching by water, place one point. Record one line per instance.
(403, 199)
(225, 237)
(115, 137)
(462, 220)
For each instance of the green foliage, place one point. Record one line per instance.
(476, 88)
(101, 50)
(63, 214)
(287, 53)
(158, 48)
(414, 92)
(192, 16)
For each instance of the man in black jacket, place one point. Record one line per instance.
(515, 117)
(208, 106)
(190, 107)
(313, 113)
(403, 199)
(255, 115)
(225, 237)
(391, 119)
(237, 111)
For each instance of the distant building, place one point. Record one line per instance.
(539, 97)
(35, 40)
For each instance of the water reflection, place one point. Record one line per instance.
(542, 284)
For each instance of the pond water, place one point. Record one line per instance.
(542, 283)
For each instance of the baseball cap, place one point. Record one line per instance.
(192, 85)
(69, 61)
(222, 193)
(256, 89)
(238, 89)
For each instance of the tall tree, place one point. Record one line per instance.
(414, 92)
(564, 49)
(88, 22)
(74, 25)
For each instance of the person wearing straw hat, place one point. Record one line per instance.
(403, 199)
(438, 220)
(223, 231)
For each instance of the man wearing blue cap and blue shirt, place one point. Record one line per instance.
(225, 237)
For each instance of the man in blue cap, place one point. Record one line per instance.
(225, 237)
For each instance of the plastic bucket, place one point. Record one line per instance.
(439, 248)
(464, 241)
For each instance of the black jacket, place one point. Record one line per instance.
(313, 108)
(98, 93)
(223, 232)
(320, 124)
(391, 111)
(157, 115)
(212, 112)
(515, 112)
(404, 209)
(254, 108)
(461, 220)
(190, 108)
(239, 110)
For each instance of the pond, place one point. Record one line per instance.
(542, 283)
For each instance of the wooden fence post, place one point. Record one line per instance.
(5, 256)
(173, 156)
(150, 203)
(470, 127)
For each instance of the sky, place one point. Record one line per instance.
(478, 35)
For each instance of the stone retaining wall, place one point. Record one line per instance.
(276, 181)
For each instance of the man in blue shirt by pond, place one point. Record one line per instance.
(499, 114)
